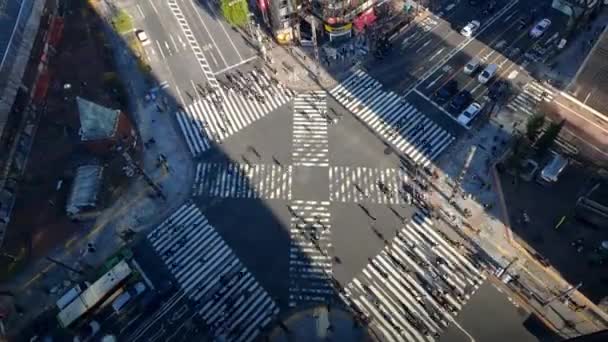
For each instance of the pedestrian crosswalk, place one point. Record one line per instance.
(217, 113)
(413, 289)
(310, 261)
(366, 184)
(310, 121)
(395, 120)
(232, 180)
(225, 294)
(532, 95)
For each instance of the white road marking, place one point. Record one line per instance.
(436, 54)
(208, 33)
(173, 41)
(236, 65)
(160, 49)
(434, 81)
(140, 11)
(424, 45)
(154, 8)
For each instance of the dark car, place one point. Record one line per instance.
(498, 90)
(460, 102)
(447, 91)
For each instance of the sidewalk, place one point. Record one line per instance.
(477, 190)
(37, 288)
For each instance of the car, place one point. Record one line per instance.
(470, 29)
(472, 66)
(468, 115)
(142, 37)
(540, 28)
(524, 21)
(461, 101)
(87, 331)
(447, 91)
(498, 90)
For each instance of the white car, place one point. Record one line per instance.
(467, 116)
(142, 37)
(470, 29)
(540, 28)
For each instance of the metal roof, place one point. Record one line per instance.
(96, 121)
(85, 187)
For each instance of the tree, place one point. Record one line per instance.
(545, 141)
(236, 12)
(533, 126)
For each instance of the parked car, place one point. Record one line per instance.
(88, 331)
(142, 37)
(447, 91)
(540, 28)
(487, 74)
(472, 66)
(498, 90)
(468, 115)
(461, 101)
(470, 29)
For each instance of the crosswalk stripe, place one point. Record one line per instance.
(361, 184)
(310, 145)
(397, 121)
(214, 118)
(226, 295)
(310, 262)
(413, 288)
(231, 180)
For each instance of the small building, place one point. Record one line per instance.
(102, 128)
(85, 190)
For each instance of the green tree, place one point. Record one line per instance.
(236, 12)
(545, 141)
(533, 126)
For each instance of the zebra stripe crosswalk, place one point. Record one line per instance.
(220, 113)
(366, 184)
(310, 261)
(532, 95)
(414, 288)
(225, 294)
(231, 180)
(395, 120)
(310, 144)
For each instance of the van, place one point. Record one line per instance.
(550, 173)
(472, 66)
(487, 73)
(126, 296)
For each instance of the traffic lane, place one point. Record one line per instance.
(230, 42)
(471, 46)
(165, 321)
(202, 35)
(173, 68)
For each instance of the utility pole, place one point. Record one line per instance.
(57, 262)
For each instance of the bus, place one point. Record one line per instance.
(93, 295)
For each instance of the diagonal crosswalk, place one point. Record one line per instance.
(225, 294)
(366, 184)
(414, 288)
(232, 180)
(395, 120)
(310, 261)
(220, 112)
(310, 144)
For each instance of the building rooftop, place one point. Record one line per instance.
(85, 188)
(96, 121)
